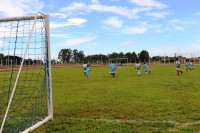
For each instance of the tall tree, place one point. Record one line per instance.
(144, 56)
(131, 56)
(134, 55)
(8, 60)
(103, 58)
(1, 56)
(121, 55)
(113, 55)
(75, 55)
(128, 55)
(156, 58)
(81, 56)
(65, 55)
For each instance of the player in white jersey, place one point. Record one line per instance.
(137, 67)
(85, 68)
(178, 65)
(191, 66)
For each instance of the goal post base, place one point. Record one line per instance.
(40, 123)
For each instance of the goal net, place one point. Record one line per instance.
(25, 73)
(119, 61)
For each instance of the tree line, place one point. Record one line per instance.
(16, 60)
(74, 56)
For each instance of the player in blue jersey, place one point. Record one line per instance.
(89, 66)
(178, 66)
(87, 71)
(112, 69)
(146, 68)
(186, 65)
(137, 67)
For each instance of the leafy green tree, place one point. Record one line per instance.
(156, 58)
(121, 55)
(113, 55)
(1, 56)
(28, 61)
(96, 58)
(103, 58)
(14, 60)
(54, 61)
(81, 56)
(128, 55)
(75, 55)
(131, 56)
(65, 55)
(134, 55)
(143, 56)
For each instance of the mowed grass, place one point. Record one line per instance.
(158, 102)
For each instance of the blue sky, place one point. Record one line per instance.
(162, 27)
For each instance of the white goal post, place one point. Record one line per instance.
(25, 73)
(119, 61)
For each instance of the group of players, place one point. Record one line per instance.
(188, 65)
(86, 69)
(137, 67)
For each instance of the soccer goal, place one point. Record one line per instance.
(25, 73)
(119, 61)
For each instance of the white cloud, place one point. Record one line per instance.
(134, 30)
(163, 50)
(78, 41)
(190, 50)
(95, 1)
(171, 49)
(59, 15)
(60, 35)
(193, 47)
(174, 20)
(118, 10)
(76, 21)
(179, 28)
(10, 8)
(157, 26)
(158, 15)
(71, 21)
(122, 11)
(125, 43)
(114, 21)
(144, 22)
(197, 13)
(2, 43)
(149, 3)
(74, 6)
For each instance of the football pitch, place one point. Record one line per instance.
(159, 102)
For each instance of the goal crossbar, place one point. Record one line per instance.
(118, 60)
(41, 16)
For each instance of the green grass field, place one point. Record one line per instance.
(158, 102)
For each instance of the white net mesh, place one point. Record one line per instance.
(30, 102)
